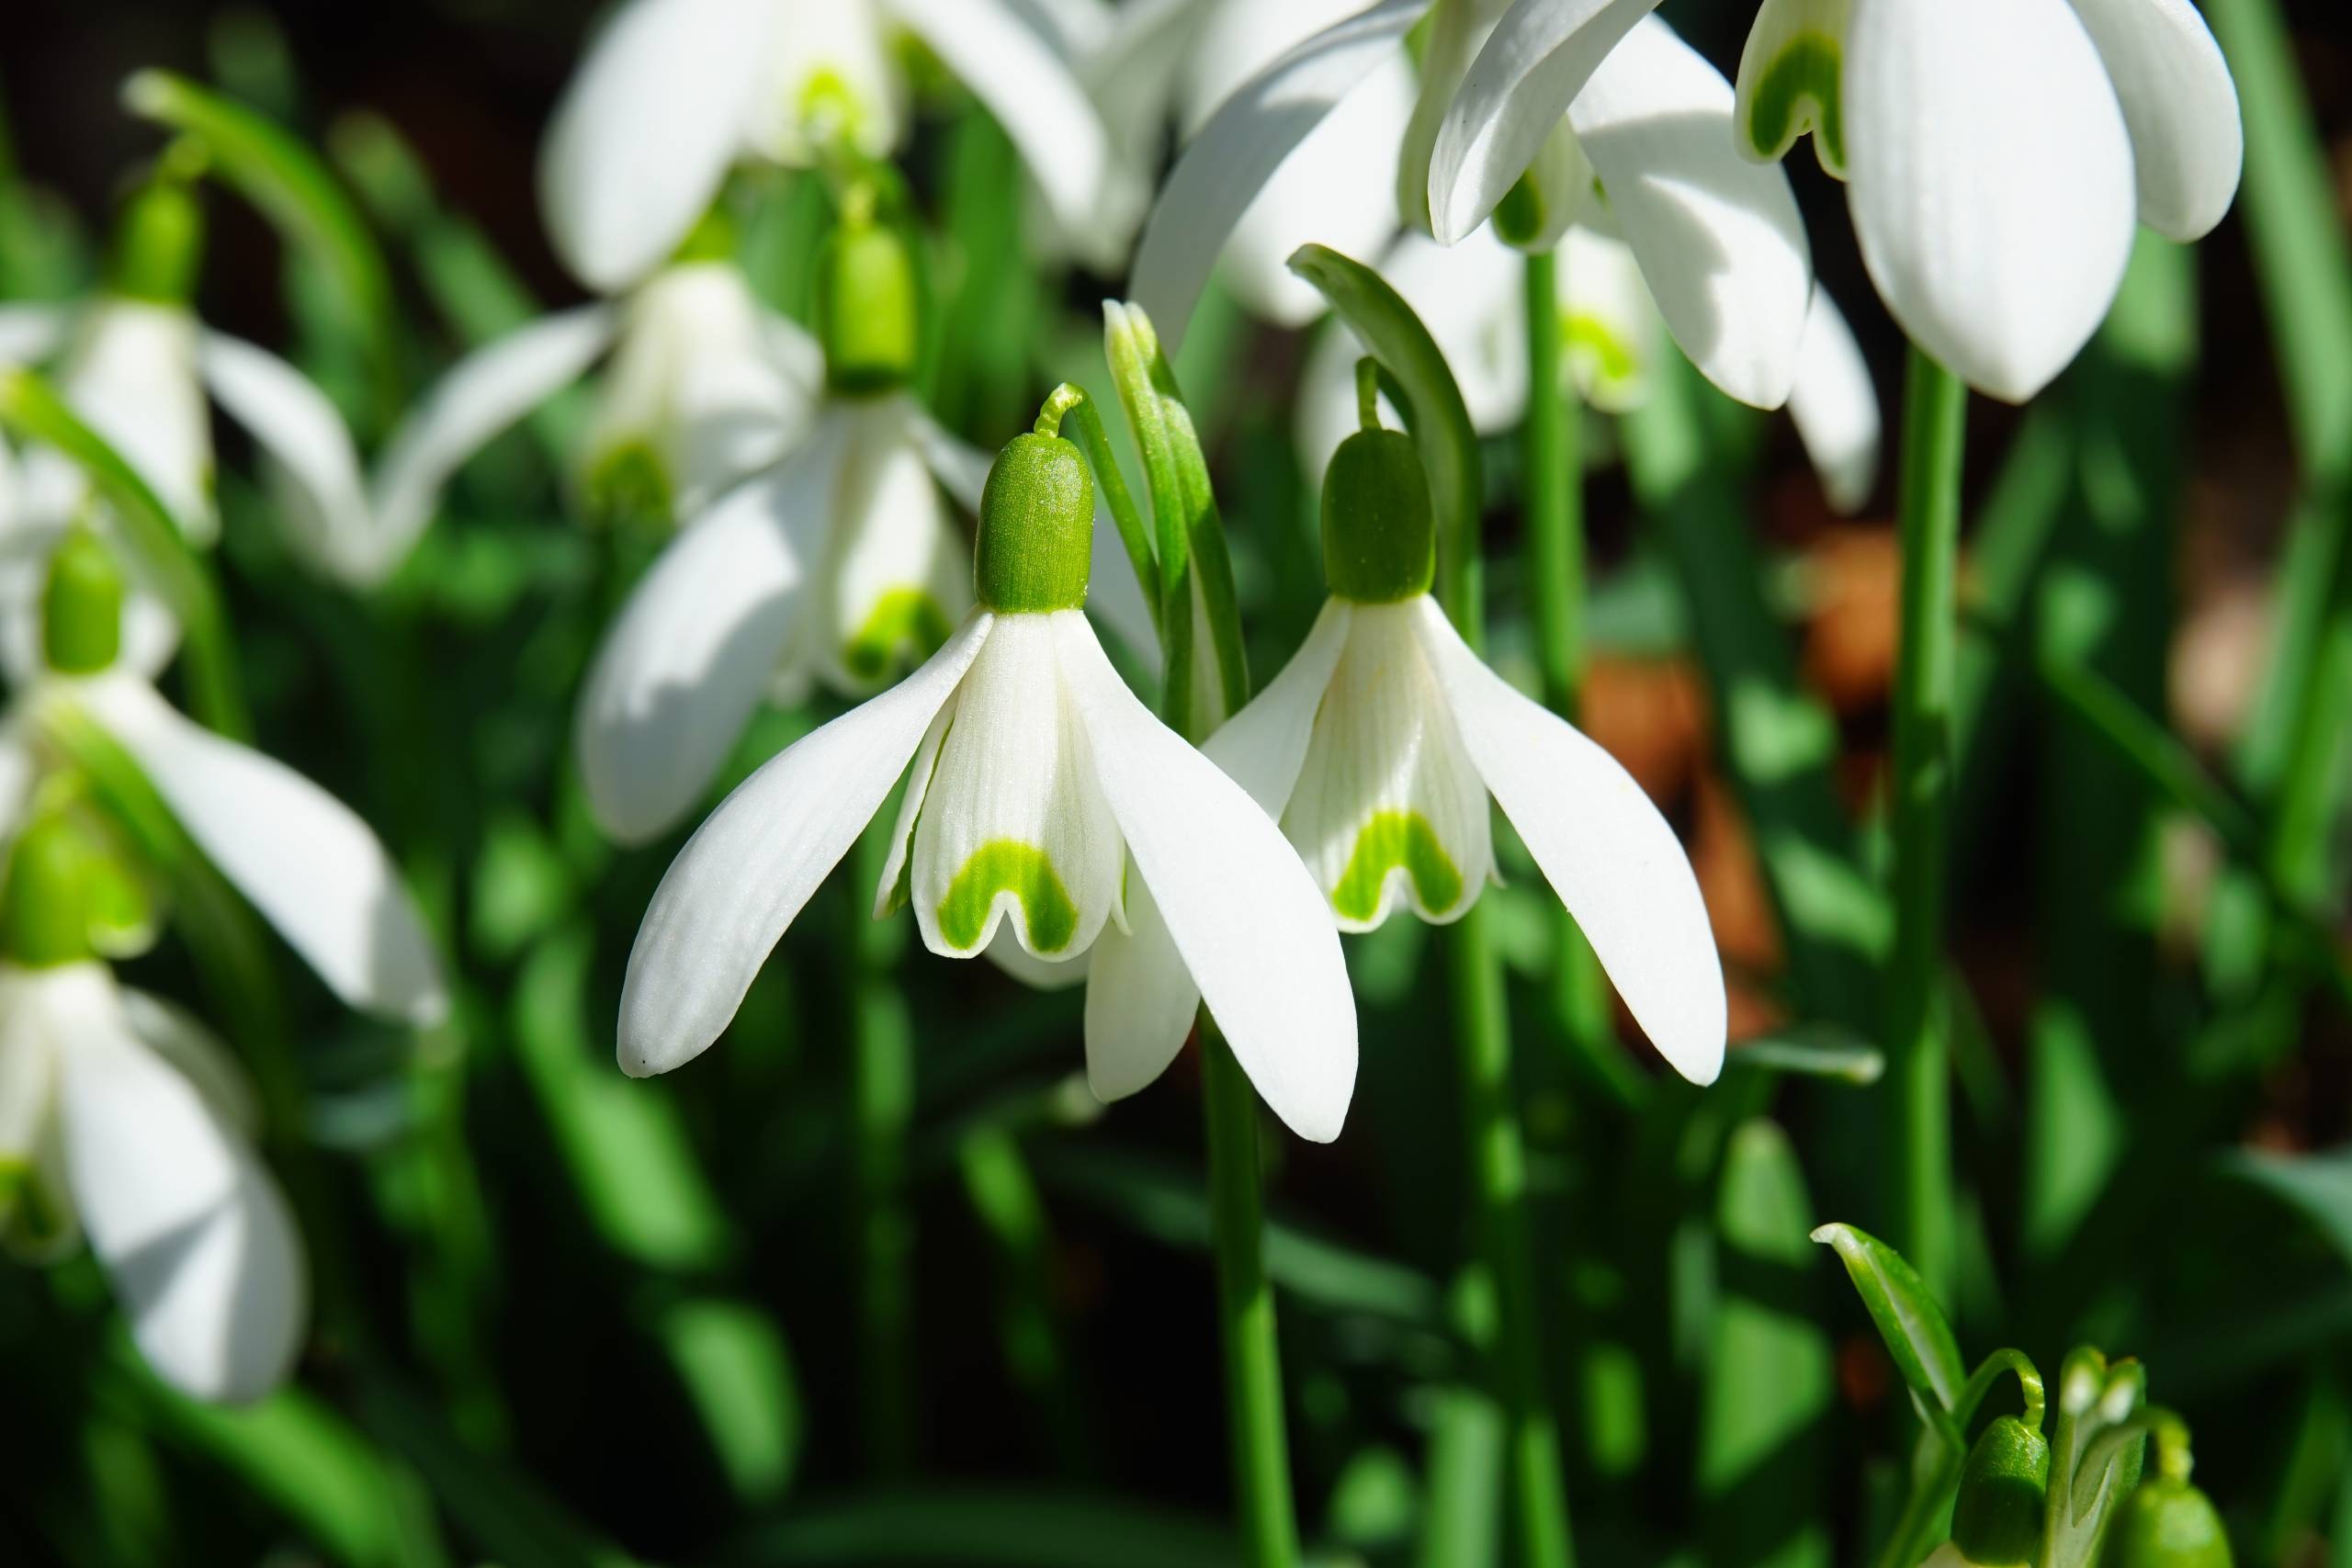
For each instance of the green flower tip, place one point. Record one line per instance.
(2167, 1524)
(1997, 1520)
(82, 605)
(158, 243)
(1379, 526)
(866, 314)
(1036, 538)
(46, 914)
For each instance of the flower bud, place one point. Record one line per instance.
(158, 241)
(1037, 539)
(1379, 529)
(1997, 1520)
(866, 315)
(82, 605)
(2166, 1523)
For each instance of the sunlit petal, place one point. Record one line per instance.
(2180, 105)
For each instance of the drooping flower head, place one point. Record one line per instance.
(1045, 807)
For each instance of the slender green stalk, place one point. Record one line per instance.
(882, 1077)
(1935, 412)
(1245, 1305)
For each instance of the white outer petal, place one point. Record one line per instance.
(30, 334)
(482, 395)
(639, 145)
(1248, 920)
(1262, 747)
(19, 771)
(1720, 240)
(311, 867)
(1604, 848)
(321, 499)
(1534, 63)
(748, 870)
(1031, 92)
(1237, 152)
(1834, 405)
(1991, 182)
(200, 1242)
(130, 376)
(702, 633)
(2180, 105)
(193, 1050)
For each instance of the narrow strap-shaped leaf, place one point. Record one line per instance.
(1914, 1329)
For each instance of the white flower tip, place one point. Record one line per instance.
(144, 92)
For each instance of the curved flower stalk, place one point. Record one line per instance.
(703, 385)
(1611, 335)
(1045, 805)
(673, 92)
(1611, 117)
(1997, 155)
(1377, 749)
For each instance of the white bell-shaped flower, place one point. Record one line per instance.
(1997, 155)
(673, 92)
(122, 1119)
(1377, 747)
(1047, 805)
(1567, 97)
(1469, 296)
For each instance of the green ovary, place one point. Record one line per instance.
(1008, 866)
(1808, 71)
(630, 483)
(1390, 839)
(904, 618)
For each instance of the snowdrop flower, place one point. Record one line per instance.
(122, 1119)
(1997, 155)
(310, 866)
(1469, 296)
(1377, 747)
(703, 386)
(139, 369)
(1045, 805)
(1597, 112)
(674, 91)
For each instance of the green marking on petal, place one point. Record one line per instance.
(630, 483)
(1390, 839)
(830, 108)
(32, 1222)
(1008, 866)
(904, 621)
(1614, 358)
(1801, 90)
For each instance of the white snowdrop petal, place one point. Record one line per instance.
(1720, 240)
(1533, 65)
(1991, 182)
(1245, 919)
(132, 376)
(321, 499)
(643, 136)
(896, 577)
(1262, 747)
(686, 661)
(193, 1050)
(1387, 807)
(748, 870)
(1615, 332)
(30, 332)
(19, 771)
(1237, 150)
(2180, 105)
(1834, 407)
(1140, 1001)
(1608, 854)
(196, 1237)
(889, 888)
(305, 860)
(1040, 973)
(481, 396)
(1015, 829)
(1789, 80)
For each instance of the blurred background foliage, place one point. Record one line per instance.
(731, 1316)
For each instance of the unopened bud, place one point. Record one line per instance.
(1997, 1521)
(2167, 1523)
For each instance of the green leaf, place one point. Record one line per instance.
(2319, 1185)
(1908, 1318)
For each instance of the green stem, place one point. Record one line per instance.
(1245, 1301)
(882, 1096)
(1935, 406)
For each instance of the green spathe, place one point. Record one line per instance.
(1036, 540)
(1379, 529)
(1008, 866)
(2167, 1524)
(158, 243)
(866, 315)
(1394, 838)
(1997, 1520)
(81, 605)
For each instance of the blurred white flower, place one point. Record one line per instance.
(1998, 154)
(674, 91)
(1611, 118)
(1469, 296)
(122, 1118)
